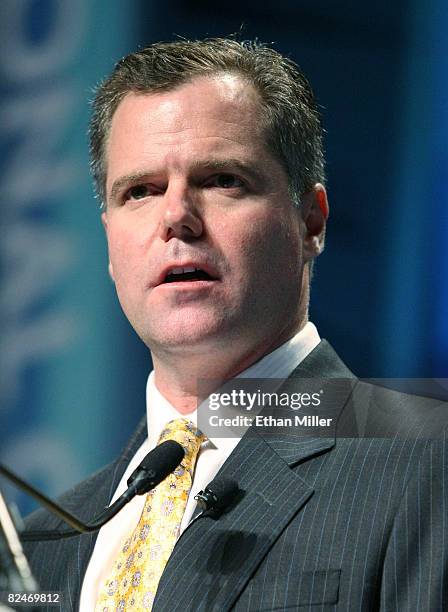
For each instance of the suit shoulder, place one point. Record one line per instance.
(390, 412)
(74, 500)
(89, 497)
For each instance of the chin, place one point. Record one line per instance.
(185, 332)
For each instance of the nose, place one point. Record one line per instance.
(181, 216)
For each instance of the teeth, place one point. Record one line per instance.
(183, 270)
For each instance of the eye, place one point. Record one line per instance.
(226, 181)
(137, 192)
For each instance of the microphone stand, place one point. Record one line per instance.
(15, 573)
(154, 468)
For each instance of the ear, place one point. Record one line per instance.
(314, 213)
(104, 222)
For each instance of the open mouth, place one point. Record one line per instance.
(188, 275)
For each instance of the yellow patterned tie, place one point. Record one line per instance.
(135, 576)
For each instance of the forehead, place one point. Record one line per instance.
(206, 108)
(215, 97)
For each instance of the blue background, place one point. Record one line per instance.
(72, 372)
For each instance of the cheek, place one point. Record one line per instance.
(271, 248)
(125, 253)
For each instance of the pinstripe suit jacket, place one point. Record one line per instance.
(352, 522)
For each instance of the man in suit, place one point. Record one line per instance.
(208, 160)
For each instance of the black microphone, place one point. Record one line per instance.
(217, 495)
(154, 468)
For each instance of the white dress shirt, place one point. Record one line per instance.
(213, 453)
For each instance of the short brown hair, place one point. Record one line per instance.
(293, 128)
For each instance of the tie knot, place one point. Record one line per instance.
(189, 437)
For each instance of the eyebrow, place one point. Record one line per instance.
(227, 165)
(127, 179)
(230, 165)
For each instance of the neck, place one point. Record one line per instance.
(187, 376)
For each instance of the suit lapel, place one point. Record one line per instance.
(215, 558)
(94, 497)
(79, 549)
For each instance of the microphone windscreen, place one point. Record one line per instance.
(222, 490)
(157, 465)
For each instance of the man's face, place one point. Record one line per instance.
(205, 246)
